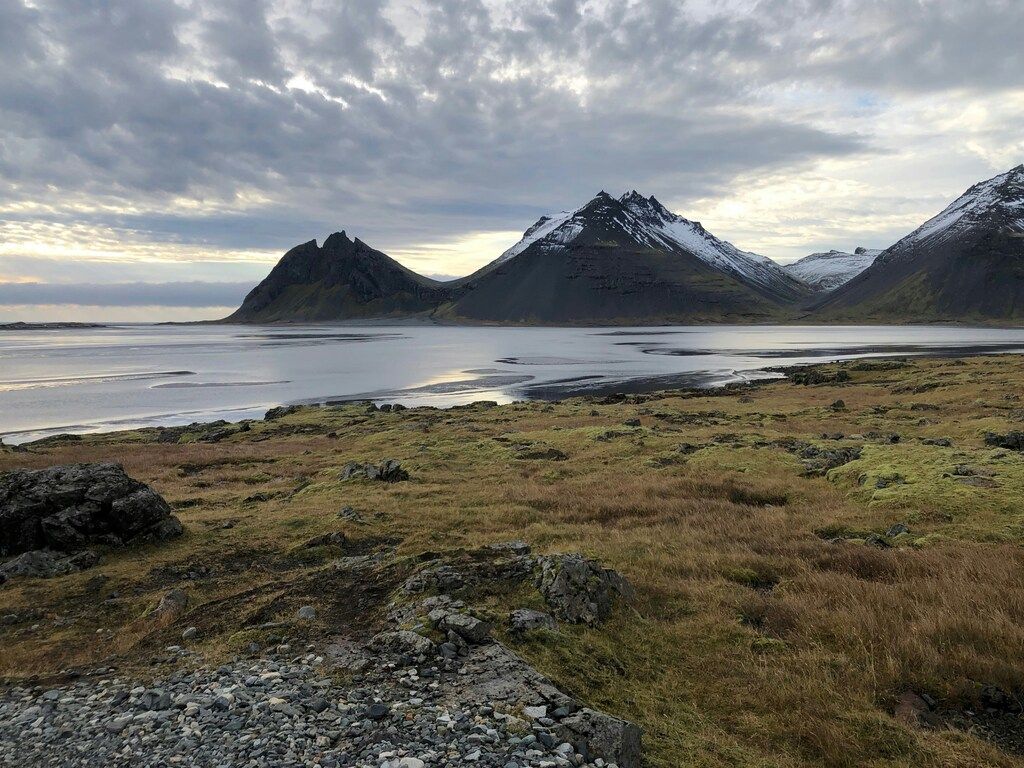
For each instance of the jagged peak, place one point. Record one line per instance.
(336, 239)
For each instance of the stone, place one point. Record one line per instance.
(45, 564)
(280, 412)
(527, 620)
(1011, 441)
(579, 590)
(404, 641)
(68, 507)
(377, 711)
(896, 530)
(306, 613)
(604, 736)
(542, 454)
(332, 539)
(190, 633)
(469, 628)
(388, 471)
(171, 605)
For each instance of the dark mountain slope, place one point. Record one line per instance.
(624, 260)
(965, 264)
(343, 279)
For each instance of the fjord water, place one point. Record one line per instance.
(120, 377)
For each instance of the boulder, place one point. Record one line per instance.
(471, 629)
(580, 590)
(388, 471)
(602, 736)
(45, 564)
(67, 508)
(1013, 441)
(404, 642)
(527, 620)
(171, 605)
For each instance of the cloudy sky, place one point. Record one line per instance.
(157, 156)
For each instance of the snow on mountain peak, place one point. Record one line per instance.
(831, 269)
(1000, 195)
(650, 224)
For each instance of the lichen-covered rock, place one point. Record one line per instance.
(603, 735)
(67, 508)
(580, 590)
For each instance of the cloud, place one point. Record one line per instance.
(170, 127)
(183, 294)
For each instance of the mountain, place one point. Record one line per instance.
(966, 264)
(612, 260)
(620, 260)
(828, 270)
(343, 279)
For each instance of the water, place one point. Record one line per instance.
(89, 380)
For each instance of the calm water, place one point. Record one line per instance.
(134, 375)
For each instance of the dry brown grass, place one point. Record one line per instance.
(754, 640)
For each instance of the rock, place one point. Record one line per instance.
(896, 530)
(410, 762)
(631, 423)
(333, 539)
(527, 620)
(280, 412)
(838, 405)
(155, 699)
(377, 711)
(403, 641)
(1011, 441)
(190, 633)
(66, 508)
(388, 471)
(516, 547)
(348, 513)
(580, 590)
(306, 613)
(44, 564)
(171, 605)
(470, 629)
(603, 736)
(542, 454)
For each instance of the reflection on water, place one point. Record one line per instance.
(127, 376)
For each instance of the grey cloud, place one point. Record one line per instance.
(183, 294)
(461, 126)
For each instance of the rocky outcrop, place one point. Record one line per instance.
(48, 517)
(1011, 441)
(579, 590)
(388, 471)
(528, 620)
(44, 564)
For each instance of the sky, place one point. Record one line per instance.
(158, 157)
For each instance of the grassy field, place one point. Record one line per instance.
(776, 623)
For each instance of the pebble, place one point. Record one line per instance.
(269, 711)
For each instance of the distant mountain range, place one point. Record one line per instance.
(629, 260)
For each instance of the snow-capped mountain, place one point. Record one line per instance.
(828, 270)
(967, 263)
(644, 221)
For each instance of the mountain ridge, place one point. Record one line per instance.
(629, 260)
